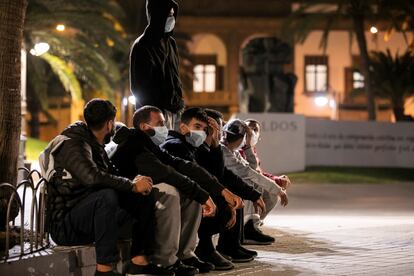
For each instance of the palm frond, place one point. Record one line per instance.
(65, 74)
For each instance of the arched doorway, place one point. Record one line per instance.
(209, 59)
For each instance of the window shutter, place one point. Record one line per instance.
(349, 80)
(219, 78)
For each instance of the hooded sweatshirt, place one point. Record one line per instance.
(154, 61)
(137, 154)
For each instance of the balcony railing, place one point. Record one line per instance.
(218, 98)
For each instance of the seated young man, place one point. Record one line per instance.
(87, 203)
(188, 186)
(253, 158)
(210, 156)
(185, 143)
(233, 140)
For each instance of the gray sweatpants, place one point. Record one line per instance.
(269, 194)
(177, 220)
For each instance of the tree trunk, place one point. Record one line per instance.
(398, 110)
(12, 14)
(359, 29)
(398, 113)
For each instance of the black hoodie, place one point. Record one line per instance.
(177, 145)
(212, 161)
(154, 61)
(137, 154)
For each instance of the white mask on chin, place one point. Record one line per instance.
(255, 138)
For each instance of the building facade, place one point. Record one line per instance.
(220, 30)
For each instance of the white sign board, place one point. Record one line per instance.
(282, 145)
(359, 144)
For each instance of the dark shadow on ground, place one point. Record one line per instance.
(259, 268)
(294, 243)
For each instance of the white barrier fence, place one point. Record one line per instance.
(362, 144)
(291, 142)
(282, 144)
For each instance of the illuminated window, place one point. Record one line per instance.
(204, 78)
(357, 80)
(354, 79)
(316, 73)
(208, 75)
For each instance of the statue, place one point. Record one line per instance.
(264, 86)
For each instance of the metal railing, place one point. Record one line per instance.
(34, 238)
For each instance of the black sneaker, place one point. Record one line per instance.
(203, 267)
(180, 269)
(255, 236)
(215, 258)
(109, 273)
(248, 251)
(149, 269)
(236, 255)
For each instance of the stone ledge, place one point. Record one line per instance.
(60, 261)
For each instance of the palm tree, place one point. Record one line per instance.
(82, 57)
(392, 14)
(12, 14)
(393, 78)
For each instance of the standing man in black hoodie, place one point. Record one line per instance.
(154, 62)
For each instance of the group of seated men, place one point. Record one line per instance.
(168, 191)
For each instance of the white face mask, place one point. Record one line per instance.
(196, 138)
(169, 24)
(243, 143)
(255, 138)
(161, 133)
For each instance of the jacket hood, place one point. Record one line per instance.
(175, 135)
(124, 133)
(157, 13)
(79, 130)
(121, 135)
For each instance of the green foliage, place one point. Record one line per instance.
(33, 148)
(353, 15)
(341, 175)
(83, 56)
(65, 74)
(393, 76)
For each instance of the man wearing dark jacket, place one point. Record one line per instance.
(210, 156)
(187, 144)
(154, 62)
(87, 202)
(138, 152)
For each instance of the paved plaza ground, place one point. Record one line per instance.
(339, 229)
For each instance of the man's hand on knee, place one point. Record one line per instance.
(209, 208)
(234, 201)
(143, 184)
(283, 198)
(259, 206)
